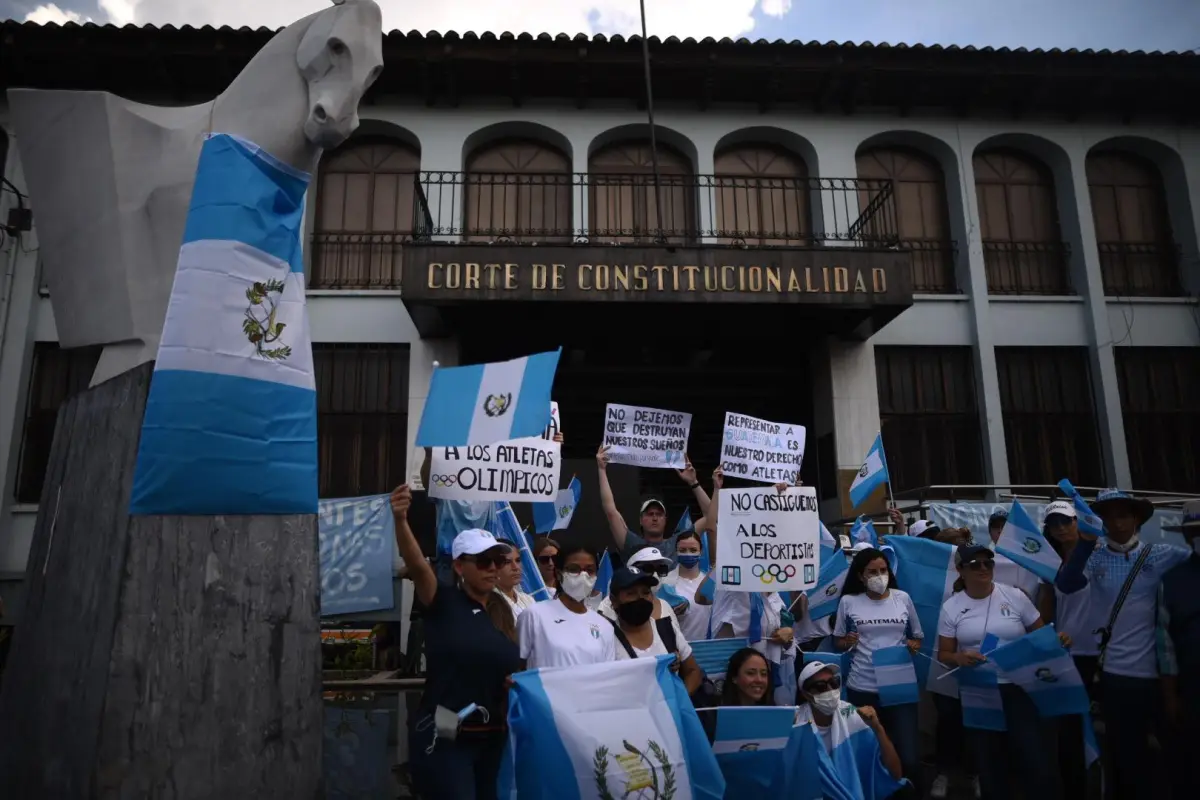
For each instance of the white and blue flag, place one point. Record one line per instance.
(925, 570)
(824, 597)
(487, 403)
(712, 655)
(853, 767)
(895, 675)
(827, 539)
(1088, 520)
(756, 746)
(1023, 543)
(871, 475)
(507, 528)
(1039, 664)
(982, 705)
(864, 531)
(633, 733)
(556, 516)
(231, 420)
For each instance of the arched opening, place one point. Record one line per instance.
(518, 190)
(922, 214)
(1138, 257)
(762, 195)
(623, 204)
(1023, 250)
(367, 206)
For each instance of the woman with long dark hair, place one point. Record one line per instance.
(747, 680)
(873, 614)
(544, 551)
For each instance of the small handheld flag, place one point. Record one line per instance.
(557, 516)
(1088, 521)
(1039, 664)
(864, 531)
(872, 474)
(823, 600)
(488, 403)
(896, 676)
(1022, 542)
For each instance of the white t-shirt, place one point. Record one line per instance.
(1006, 613)
(694, 622)
(734, 608)
(552, 635)
(1078, 617)
(522, 602)
(657, 647)
(888, 622)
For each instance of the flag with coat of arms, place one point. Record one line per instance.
(1023, 543)
(556, 516)
(872, 474)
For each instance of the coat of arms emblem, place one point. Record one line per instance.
(259, 323)
(494, 405)
(647, 777)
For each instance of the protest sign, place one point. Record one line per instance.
(518, 470)
(646, 437)
(757, 450)
(357, 549)
(767, 541)
(555, 425)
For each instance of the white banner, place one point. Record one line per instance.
(518, 470)
(646, 437)
(757, 450)
(555, 425)
(767, 541)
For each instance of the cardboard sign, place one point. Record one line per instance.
(767, 541)
(757, 450)
(518, 470)
(646, 437)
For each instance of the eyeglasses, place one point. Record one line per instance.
(980, 564)
(575, 569)
(487, 562)
(828, 685)
(545, 560)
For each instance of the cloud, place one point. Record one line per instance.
(683, 18)
(52, 13)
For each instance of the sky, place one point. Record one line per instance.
(1099, 24)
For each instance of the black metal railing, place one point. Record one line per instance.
(1137, 269)
(1027, 267)
(932, 265)
(604, 208)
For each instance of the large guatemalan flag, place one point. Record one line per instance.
(231, 420)
(633, 733)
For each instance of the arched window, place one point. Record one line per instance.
(367, 206)
(1023, 250)
(519, 190)
(761, 196)
(622, 203)
(923, 219)
(1133, 230)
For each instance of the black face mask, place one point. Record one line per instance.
(635, 612)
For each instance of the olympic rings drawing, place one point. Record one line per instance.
(443, 480)
(775, 572)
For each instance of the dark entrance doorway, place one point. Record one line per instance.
(677, 362)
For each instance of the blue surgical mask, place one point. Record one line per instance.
(689, 561)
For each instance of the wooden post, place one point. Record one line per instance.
(158, 656)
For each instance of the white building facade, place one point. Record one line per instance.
(1053, 326)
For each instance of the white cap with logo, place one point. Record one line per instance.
(474, 541)
(647, 555)
(1062, 508)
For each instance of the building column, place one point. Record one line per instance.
(1079, 231)
(987, 384)
(850, 410)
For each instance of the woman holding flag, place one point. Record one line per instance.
(875, 616)
(980, 616)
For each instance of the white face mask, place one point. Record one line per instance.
(827, 702)
(1124, 548)
(878, 583)
(578, 587)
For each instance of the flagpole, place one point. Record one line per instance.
(883, 453)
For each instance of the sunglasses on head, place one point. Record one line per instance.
(830, 684)
(980, 563)
(486, 561)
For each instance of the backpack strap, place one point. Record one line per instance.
(666, 632)
(621, 639)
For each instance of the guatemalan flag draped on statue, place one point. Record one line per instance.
(231, 420)
(633, 733)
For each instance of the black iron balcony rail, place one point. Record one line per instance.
(1140, 269)
(1040, 268)
(612, 208)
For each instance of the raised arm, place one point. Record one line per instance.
(688, 476)
(1071, 577)
(422, 575)
(616, 523)
(711, 516)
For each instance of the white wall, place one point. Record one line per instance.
(829, 144)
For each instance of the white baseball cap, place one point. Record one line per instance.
(812, 668)
(921, 526)
(858, 548)
(647, 555)
(1062, 508)
(474, 541)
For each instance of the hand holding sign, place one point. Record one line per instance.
(401, 501)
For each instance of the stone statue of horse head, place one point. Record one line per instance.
(110, 180)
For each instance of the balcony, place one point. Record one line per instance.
(1038, 268)
(612, 209)
(1140, 269)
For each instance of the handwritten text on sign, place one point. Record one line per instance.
(767, 541)
(646, 437)
(517, 470)
(555, 425)
(757, 450)
(357, 549)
